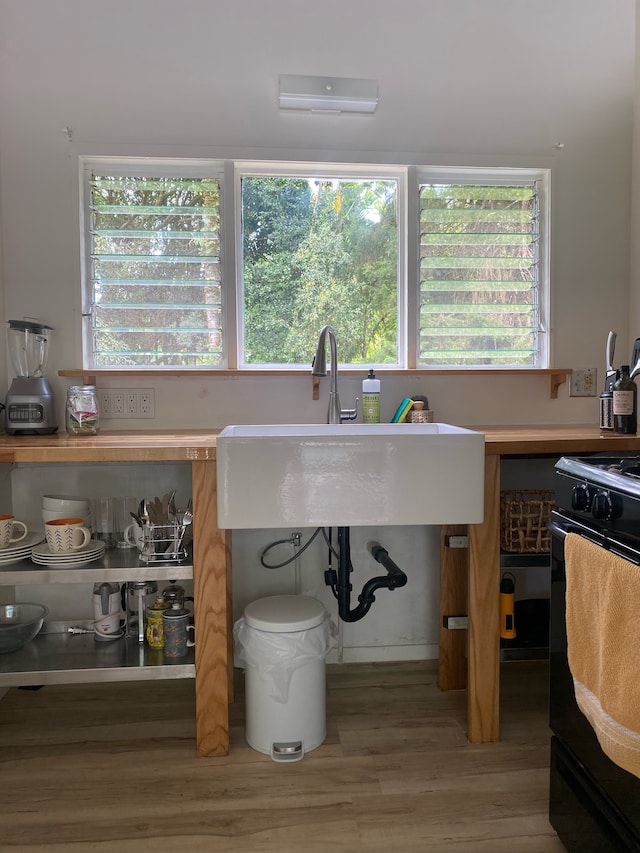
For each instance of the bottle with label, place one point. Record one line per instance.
(625, 403)
(371, 399)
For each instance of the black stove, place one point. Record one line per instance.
(594, 804)
(602, 492)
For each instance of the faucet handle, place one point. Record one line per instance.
(349, 414)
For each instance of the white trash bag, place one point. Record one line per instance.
(275, 655)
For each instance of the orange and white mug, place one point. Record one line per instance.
(65, 535)
(10, 530)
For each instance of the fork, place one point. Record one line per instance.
(176, 546)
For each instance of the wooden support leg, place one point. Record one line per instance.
(212, 600)
(452, 658)
(484, 613)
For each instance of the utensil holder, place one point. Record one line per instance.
(162, 544)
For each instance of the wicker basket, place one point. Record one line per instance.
(524, 518)
(421, 416)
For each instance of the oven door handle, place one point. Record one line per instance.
(604, 541)
(561, 530)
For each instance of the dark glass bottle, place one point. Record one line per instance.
(625, 403)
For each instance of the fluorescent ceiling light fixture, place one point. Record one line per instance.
(328, 94)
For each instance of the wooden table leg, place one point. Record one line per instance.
(454, 570)
(212, 593)
(484, 614)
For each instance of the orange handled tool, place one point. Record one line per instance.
(507, 592)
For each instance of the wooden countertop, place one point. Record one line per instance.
(147, 446)
(200, 445)
(563, 439)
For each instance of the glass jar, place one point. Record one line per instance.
(155, 634)
(82, 417)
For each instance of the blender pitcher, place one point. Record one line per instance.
(28, 347)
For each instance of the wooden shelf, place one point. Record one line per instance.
(557, 375)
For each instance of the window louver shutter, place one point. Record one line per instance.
(479, 275)
(155, 266)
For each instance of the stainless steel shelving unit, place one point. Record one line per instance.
(524, 561)
(117, 564)
(63, 658)
(72, 659)
(56, 656)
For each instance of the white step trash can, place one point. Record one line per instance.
(282, 642)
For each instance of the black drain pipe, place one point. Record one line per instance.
(394, 578)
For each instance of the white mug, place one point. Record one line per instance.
(133, 536)
(9, 530)
(65, 535)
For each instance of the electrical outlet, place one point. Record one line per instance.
(127, 403)
(105, 403)
(147, 404)
(583, 382)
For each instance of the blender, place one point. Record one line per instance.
(29, 409)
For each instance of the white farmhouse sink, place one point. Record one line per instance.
(343, 475)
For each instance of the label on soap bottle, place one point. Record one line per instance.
(371, 408)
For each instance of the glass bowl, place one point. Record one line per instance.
(19, 624)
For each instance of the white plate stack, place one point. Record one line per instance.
(22, 549)
(43, 556)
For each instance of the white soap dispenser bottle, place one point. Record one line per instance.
(371, 399)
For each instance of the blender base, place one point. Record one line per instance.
(29, 408)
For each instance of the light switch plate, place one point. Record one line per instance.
(583, 381)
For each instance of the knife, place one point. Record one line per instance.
(610, 376)
(635, 356)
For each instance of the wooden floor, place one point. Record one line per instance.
(112, 767)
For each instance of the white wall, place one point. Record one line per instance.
(462, 82)
(634, 300)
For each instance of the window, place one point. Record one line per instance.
(153, 285)
(481, 295)
(466, 284)
(319, 247)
